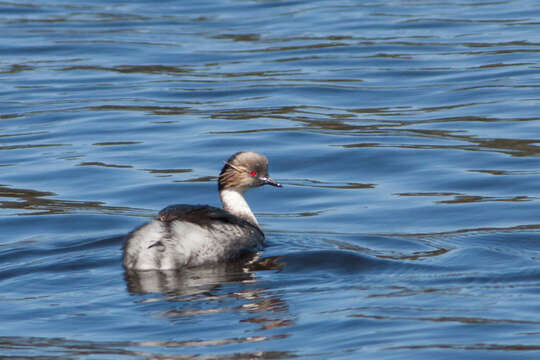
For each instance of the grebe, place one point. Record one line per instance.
(192, 235)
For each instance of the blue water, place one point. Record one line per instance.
(406, 135)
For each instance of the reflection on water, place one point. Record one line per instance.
(209, 291)
(185, 282)
(153, 349)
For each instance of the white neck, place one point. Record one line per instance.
(234, 202)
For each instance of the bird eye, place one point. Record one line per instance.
(253, 173)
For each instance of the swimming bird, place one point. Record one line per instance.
(192, 235)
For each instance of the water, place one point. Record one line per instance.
(405, 134)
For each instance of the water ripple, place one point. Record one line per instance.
(405, 133)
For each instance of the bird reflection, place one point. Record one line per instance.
(186, 281)
(199, 280)
(201, 292)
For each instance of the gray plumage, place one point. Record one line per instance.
(193, 235)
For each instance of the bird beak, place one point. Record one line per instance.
(269, 181)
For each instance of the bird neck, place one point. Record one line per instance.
(234, 202)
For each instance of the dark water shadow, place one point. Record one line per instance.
(30, 202)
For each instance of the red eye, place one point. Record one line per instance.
(253, 173)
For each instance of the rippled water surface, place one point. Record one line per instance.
(406, 134)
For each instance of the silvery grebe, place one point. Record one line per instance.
(192, 235)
